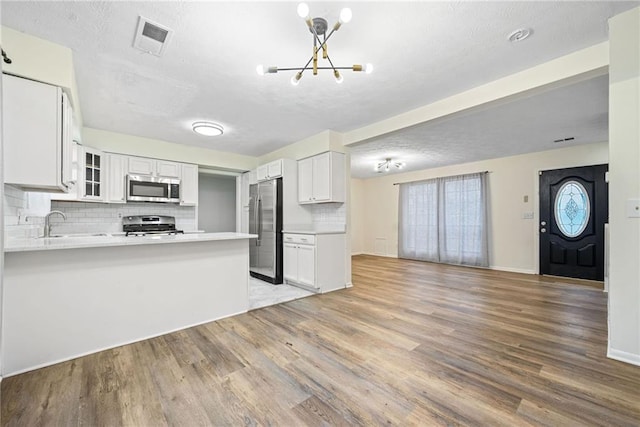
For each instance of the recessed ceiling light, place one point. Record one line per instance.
(520, 34)
(207, 128)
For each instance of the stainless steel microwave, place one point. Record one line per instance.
(144, 188)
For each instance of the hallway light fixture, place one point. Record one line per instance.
(318, 27)
(387, 164)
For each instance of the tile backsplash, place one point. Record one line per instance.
(24, 214)
(86, 217)
(328, 215)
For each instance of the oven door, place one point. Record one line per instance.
(141, 188)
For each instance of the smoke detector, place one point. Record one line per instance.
(151, 37)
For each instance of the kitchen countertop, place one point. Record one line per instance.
(314, 232)
(92, 241)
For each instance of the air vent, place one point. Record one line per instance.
(151, 37)
(557, 141)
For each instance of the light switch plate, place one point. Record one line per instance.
(527, 215)
(633, 208)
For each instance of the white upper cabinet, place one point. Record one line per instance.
(170, 169)
(116, 178)
(270, 170)
(147, 166)
(92, 175)
(37, 135)
(189, 185)
(141, 165)
(321, 178)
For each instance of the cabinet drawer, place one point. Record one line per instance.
(303, 239)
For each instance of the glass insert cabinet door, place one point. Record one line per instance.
(92, 174)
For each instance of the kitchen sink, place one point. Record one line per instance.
(75, 236)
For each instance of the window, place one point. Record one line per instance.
(444, 220)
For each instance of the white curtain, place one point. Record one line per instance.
(445, 220)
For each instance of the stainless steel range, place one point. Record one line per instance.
(142, 225)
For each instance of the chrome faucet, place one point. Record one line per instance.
(47, 226)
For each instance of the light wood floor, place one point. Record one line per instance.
(411, 343)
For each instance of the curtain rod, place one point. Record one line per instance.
(448, 176)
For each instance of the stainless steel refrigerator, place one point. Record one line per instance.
(265, 220)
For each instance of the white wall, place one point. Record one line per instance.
(357, 216)
(216, 203)
(157, 149)
(513, 240)
(624, 188)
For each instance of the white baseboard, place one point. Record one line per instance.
(349, 285)
(372, 254)
(512, 270)
(623, 356)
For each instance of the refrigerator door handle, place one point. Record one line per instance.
(259, 210)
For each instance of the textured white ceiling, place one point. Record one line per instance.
(422, 52)
(522, 126)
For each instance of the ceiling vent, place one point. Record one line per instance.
(151, 37)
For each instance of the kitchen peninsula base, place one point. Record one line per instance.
(61, 304)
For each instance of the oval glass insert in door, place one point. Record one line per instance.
(572, 208)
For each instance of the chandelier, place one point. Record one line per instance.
(387, 164)
(318, 27)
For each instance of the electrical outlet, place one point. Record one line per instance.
(527, 215)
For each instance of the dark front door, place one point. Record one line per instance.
(573, 211)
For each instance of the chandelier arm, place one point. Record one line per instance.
(326, 39)
(323, 45)
(309, 68)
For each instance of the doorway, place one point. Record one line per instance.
(216, 203)
(573, 212)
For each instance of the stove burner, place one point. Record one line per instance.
(149, 232)
(142, 225)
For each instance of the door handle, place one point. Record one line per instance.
(259, 219)
(543, 223)
(543, 230)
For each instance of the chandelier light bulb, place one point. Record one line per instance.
(345, 15)
(260, 69)
(303, 10)
(368, 68)
(296, 79)
(338, 76)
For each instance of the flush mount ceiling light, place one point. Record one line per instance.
(207, 128)
(520, 34)
(387, 164)
(318, 27)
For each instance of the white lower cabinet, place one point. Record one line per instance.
(315, 262)
(300, 263)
